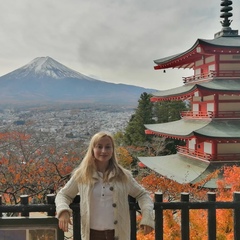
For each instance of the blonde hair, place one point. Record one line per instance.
(84, 172)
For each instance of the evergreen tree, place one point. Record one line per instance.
(135, 130)
(169, 111)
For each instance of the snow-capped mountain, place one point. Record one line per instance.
(45, 67)
(46, 80)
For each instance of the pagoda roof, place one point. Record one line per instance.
(230, 41)
(185, 90)
(220, 128)
(183, 169)
(184, 59)
(222, 84)
(213, 128)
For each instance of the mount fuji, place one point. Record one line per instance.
(44, 80)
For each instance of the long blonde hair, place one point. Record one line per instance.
(84, 172)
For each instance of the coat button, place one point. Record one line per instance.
(115, 222)
(111, 188)
(114, 204)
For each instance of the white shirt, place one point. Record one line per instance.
(101, 206)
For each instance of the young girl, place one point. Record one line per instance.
(103, 186)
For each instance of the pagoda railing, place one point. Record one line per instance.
(210, 114)
(196, 114)
(193, 153)
(223, 157)
(211, 74)
(199, 77)
(226, 157)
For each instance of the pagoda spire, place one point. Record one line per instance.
(226, 8)
(226, 31)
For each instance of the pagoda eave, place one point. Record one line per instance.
(181, 129)
(201, 48)
(185, 60)
(175, 98)
(183, 169)
(164, 135)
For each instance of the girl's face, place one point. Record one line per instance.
(103, 151)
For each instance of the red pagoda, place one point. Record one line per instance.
(211, 130)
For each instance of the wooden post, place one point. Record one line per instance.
(158, 216)
(24, 201)
(133, 218)
(51, 200)
(185, 217)
(76, 218)
(236, 198)
(0, 205)
(212, 225)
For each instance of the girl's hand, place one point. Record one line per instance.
(64, 220)
(146, 229)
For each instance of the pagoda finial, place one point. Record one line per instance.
(226, 14)
(226, 8)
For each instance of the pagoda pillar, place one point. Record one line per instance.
(214, 150)
(216, 104)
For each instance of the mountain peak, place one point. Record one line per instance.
(42, 67)
(44, 80)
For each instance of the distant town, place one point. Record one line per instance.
(66, 122)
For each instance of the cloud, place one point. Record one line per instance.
(115, 41)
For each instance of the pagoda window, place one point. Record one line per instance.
(196, 93)
(228, 148)
(211, 67)
(209, 60)
(192, 143)
(229, 106)
(229, 57)
(198, 71)
(207, 147)
(197, 99)
(228, 151)
(199, 63)
(195, 108)
(229, 67)
(208, 98)
(210, 107)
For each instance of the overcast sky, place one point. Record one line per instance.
(111, 40)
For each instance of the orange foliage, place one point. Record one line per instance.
(27, 169)
(198, 218)
(124, 157)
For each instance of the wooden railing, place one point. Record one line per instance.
(196, 114)
(190, 152)
(210, 114)
(184, 206)
(211, 74)
(183, 150)
(199, 77)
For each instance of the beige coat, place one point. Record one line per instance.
(120, 204)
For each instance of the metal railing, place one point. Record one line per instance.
(184, 206)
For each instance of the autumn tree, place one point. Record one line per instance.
(198, 225)
(34, 165)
